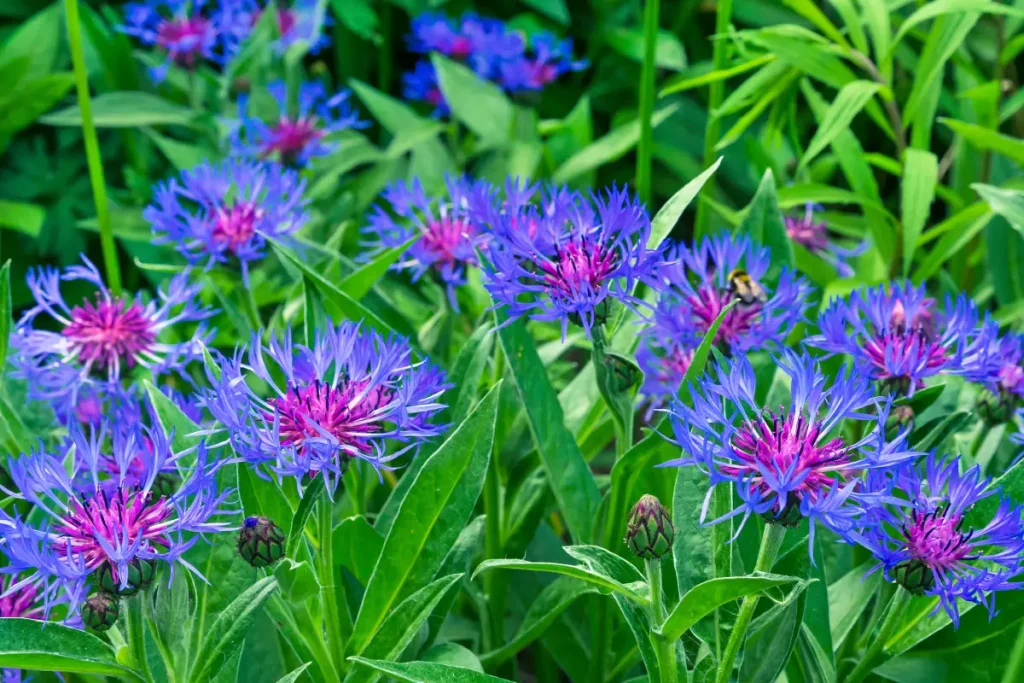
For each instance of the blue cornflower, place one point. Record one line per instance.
(225, 213)
(187, 31)
(918, 531)
(449, 232)
(312, 410)
(482, 42)
(695, 285)
(897, 338)
(569, 257)
(549, 59)
(102, 340)
(792, 463)
(1001, 372)
(300, 21)
(119, 528)
(295, 140)
(421, 85)
(814, 236)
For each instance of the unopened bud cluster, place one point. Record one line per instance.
(649, 533)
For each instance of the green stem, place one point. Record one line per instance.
(494, 582)
(165, 653)
(713, 129)
(645, 146)
(137, 636)
(771, 541)
(328, 591)
(893, 617)
(665, 649)
(1015, 666)
(92, 149)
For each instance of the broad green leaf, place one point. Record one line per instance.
(848, 103)
(556, 597)
(402, 625)
(229, 630)
(683, 83)
(668, 215)
(433, 512)
(25, 218)
(426, 672)
(313, 494)
(608, 148)
(357, 547)
(130, 109)
(691, 549)
(358, 16)
(987, 139)
(606, 562)
(33, 99)
(453, 654)
(556, 9)
(763, 222)
(173, 616)
(771, 639)
(183, 155)
(179, 428)
(568, 473)
(847, 599)
(38, 39)
(1007, 203)
(604, 583)
(478, 103)
(357, 283)
(629, 42)
(705, 598)
(920, 174)
(44, 646)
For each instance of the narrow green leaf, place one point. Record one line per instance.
(629, 42)
(130, 109)
(604, 583)
(812, 13)
(935, 433)
(987, 139)
(357, 283)
(944, 39)
(294, 675)
(357, 16)
(668, 215)
(478, 103)
(229, 630)
(44, 646)
(433, 512)
(427, 672)
(848, 103)
(183, 155)
(920, 174)
(705, 598)
(310, 497)
(937, 8)
(763, 222)
(556, 9)
(951, 243)
(5, 313)
(682, 84)
(876, 16)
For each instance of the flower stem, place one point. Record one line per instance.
(716, 94)
(137, 636)
(771, 541)
(165, 653)
(645, 146)
(892, 617)
(92, 149)
(665, 649)
(328, 592)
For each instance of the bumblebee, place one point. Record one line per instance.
(745, 288)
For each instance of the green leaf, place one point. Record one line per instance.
(1007, 203)
(556, 597)
(668, 215)
(229, 630)
(762, 220)
(179, 428)
(936, 432)
(965, 226)
(357, 16)
(45, 646)
(469, 368)
(312, 494)
(25, 218)
(427, 672)
(629, 42)
(402, 625)
(608, 148)
(38, 40)
(813, 58)
(603, 583)
(705, 598)
(33, 99)
(771, 639)
(5, 312)
(294, 675)
(810, 10)
(692, 549)
(478, 103)
(183, 155)
(682, 83)
(847, 599)
(920, 175)
(393, 114)
(130, 109)
(357, 283)
(434, 511)
(987, 139)
(568, 473)
(848, 103)
(453, 654)
(357, 547)
(555, 9)
(944, 39)
(262, 497)
(937, 8)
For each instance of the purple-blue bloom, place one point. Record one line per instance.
(920, 532)
(421, 85)
(295, 140)
(299, 21)
(482, 42)
(449, 232)
(792, 463)
(549, 59)
(1002, 374)
(814, 236)
(225, 213)
(102, 340)
(310, 411)
(567, 257)
(694, 285)
(896, 336)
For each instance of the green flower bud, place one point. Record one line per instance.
(901, 419)
(165, 485)
(260, 542)
(101, 610)
(140, 577)
(623, 374)
(649, 533)
(789, 517)
(897, 386)
(996, 408)
(915, 576)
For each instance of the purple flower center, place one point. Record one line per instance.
(1011, 379)
(578, 267)
(808, 233)
(348, 413)
(707, 306)
(777, 448)
(460, 47)
(111, 332)
(235, 226)
(183, 37)
(937, 540)
(119, 520)
(289, 137)
(672, 367)
(20, 603)
(447, 237)
(907, 345)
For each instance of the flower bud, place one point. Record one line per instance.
(789, 517)
(996, 408)
(915, 576)
(901, 419)
(649, 533)
(165, 485)
(260, 542)
(100, 611)
(140, 577)
(623, 373)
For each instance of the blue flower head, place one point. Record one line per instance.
(295, 140)
(309, 411)
(447, 226)
(794, 462)
(298, 21)
(482, 42)
(567, 257)
(549, 59)
(225, 213)
(814, 236)
(421, 85)
(922, 534)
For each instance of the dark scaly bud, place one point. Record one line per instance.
(260, 542)
(100, 611)
(140, 577)
(649, 533)
(901, 419)
(789, 517)
(915, 576)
